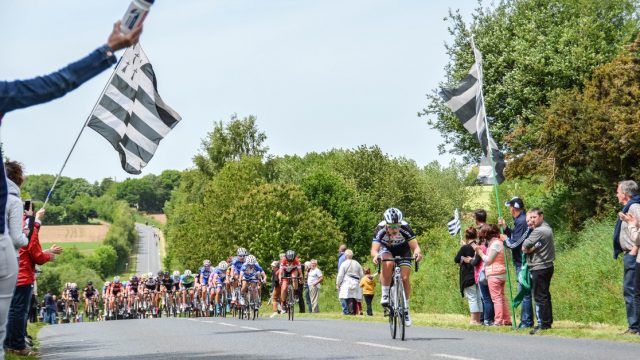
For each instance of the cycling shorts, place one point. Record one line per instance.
(188, 286)
(150, 287)
(402, 250)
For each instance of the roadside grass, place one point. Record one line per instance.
(32, 329)
(562, 328)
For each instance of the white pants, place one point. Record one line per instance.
(473, 297)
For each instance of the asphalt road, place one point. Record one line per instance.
(215, 338)
(148, 250)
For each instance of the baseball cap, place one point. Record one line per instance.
(516, 202)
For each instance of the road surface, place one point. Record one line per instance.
(148, 250)
(304, 338)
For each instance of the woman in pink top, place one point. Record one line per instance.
(496, 271)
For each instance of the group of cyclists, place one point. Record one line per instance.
(216, 289)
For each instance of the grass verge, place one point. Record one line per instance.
(32, 329)
(562, 328)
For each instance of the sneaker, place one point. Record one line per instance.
(630, 331)
(275, 313)
(384, 301)
(407, 319)
(23, 352)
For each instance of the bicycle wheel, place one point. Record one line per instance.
(392, 318)
(401, 306)
(291, 309)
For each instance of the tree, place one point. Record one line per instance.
(589, 139)
(530, 48)
(240, 137)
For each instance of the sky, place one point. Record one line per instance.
(318, 75)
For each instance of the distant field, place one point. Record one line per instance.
(73, 233)
(85, 248)
(161, 218)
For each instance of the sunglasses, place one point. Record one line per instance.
(394, 226)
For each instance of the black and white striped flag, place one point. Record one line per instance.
(454, 225)
(467, 103)
(130, 113)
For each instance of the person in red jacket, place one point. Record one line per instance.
(29, 256)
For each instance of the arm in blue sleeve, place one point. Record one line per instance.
(23, 93)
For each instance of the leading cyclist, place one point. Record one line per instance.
(394, 237)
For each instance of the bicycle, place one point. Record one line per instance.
(291, 300)
(397, 307)
(252, 301)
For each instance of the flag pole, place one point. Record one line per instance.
(55, 182)
(478, 62)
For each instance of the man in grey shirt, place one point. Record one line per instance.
(541, 253)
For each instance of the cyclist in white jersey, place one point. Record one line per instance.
(394, 237)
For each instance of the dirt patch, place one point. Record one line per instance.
(161, 218)
(72, 233)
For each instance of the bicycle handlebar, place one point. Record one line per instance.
(397, 259)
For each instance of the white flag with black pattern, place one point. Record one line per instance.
(454, 225)
(131, 114)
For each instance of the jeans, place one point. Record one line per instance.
(629, 290)
(345, 306)
(487, 308)
(368, 299)
(540, 283)
(526, 316)
(50, 316)
(18, 313)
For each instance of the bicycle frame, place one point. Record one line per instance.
(397, 297)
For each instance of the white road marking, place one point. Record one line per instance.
(321, 338)
(249, 328)
(225, 324)
(382, 346)
(281, 332)
(455, 357)
(208, 322)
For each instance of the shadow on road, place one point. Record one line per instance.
(431, 338)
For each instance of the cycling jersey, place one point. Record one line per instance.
(187, 281)
(249, 272)
(220, 276)
(133, 286)
(89, 292)
(205, 271)
(116, 288)
(236, 264)
(151, 284)
(167, 283)
(74, 294)
(403, 236)
(288, 266)
(176, 282)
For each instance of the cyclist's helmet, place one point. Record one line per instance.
(89, 283)
(116, 279)
(206, 263)
(251, 260)
(290, 255)
(223, 266)
(392, 216)
(107, 283)
(150, 275)
(160, 273)
(242, 252)
(166, 274)
(74, 285)
(134, 278)
(176, 273)
(187, 273)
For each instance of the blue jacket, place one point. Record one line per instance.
(20, 94)
(517, 235)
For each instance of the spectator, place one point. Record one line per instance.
(496, 270)
(634, 228)
(50, 308)
(517, 235)
(30, 255)
(314, 280)
(368, 285)
(307, 295)
(24, 93)
(467, 259)
(480, 216)
(341, 259)
(300, 291)
(541, 253)
(623, 242)
(275, 288)
(348, 282)
(488, 313)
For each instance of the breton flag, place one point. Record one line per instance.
(130, 113)
(467, 103)
(454, 225)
